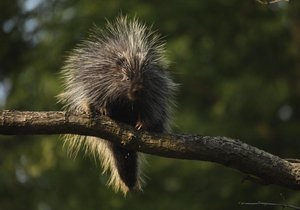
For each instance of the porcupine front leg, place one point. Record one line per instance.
(144, 123)
(102, 110)
(148, 124)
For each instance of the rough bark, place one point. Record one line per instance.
(226, 151)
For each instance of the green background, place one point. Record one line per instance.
(238, 63)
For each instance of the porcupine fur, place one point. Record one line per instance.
(119, 72)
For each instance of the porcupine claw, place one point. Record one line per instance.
(139, 125)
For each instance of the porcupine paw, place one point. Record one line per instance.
(139, 125)
(103, 111)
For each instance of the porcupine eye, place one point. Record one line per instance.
(120, 61)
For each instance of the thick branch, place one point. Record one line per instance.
(223, 150)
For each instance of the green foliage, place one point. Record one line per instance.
(238, 66)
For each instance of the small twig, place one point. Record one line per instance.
(269, 204)
(270, 2)
(254, 179)
(282, 196)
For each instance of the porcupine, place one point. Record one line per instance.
(120, 72)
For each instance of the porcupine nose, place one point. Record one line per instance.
(135, 91)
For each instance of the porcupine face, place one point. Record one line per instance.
(131, 70)
(134, 71)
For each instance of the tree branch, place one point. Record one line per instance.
(229, 152)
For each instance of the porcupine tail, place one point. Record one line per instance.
(122, 164)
